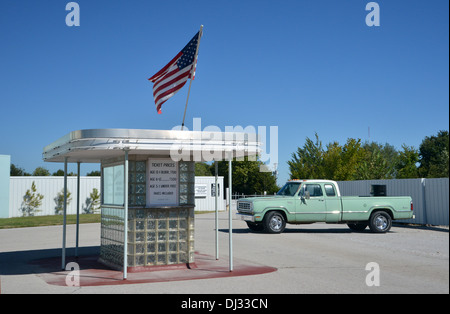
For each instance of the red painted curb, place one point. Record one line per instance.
(93, 273)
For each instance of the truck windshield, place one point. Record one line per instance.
(289, 189)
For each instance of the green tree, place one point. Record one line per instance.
(92, 202)
(434, 156)
(41, 171)
(59, 201)
(378, 162)
(95, 197)
(31, 201)
(60, 173)
(351, 155)
(203, 169)
(336, 163)
(17, 172)
(308, 162)
(94, 173)
(407, 161)
(332, 161)
(247, 177)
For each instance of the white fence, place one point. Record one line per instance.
(49, 187)
(430, 196)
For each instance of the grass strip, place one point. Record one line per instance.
(37, 221)
(53, 220)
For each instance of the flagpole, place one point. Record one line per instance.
(194, 64)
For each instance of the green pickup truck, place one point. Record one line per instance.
(309, 201)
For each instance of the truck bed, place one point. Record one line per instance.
(356, 208)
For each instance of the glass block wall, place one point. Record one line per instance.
(136, 183)
(112, 235)
(187, 182)
(160, 236)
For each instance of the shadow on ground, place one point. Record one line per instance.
(24, 262)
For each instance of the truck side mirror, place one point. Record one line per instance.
(307, 195)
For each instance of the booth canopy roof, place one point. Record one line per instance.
(95, 145)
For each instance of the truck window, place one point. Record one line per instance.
(289, 189)
(329, 190)
(313, 189)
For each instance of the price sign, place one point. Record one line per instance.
(163, 182)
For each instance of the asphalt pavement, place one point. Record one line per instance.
(316, 258)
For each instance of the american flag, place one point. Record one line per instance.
(171, 78)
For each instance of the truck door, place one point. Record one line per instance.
(311, 205)
(333, 203)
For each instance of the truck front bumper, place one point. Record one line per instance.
(246, 217)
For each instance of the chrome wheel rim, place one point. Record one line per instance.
(276, 223)
(381, 223)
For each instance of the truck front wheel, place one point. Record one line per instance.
(255, 226)
(380, 222)
(274, 222)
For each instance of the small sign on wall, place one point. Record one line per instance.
(162, 178)
(201, 190)
(213, 189)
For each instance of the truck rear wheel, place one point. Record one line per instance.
(274, 222)
(357, 226)
(380, 222)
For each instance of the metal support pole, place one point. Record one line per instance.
(216, 166)
(194, 64)
(230, 223)
(424, 203)
(78, 210)
(63, 259)
(125, 223)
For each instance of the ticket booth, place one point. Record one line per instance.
(147, 188)
(160, 211)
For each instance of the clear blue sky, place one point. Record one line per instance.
(304, 66)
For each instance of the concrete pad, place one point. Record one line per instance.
(93, 273)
